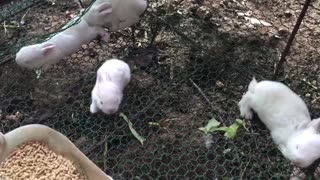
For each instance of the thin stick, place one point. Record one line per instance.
(80, 4)
(105, 156)
(11, 26)
(22, 19)
(308, 83)
(133, 30)
(293, 34)
(155, 32)
(244, 170)
(5, 28)
(6, 60)
(171, 68)
(202, 93)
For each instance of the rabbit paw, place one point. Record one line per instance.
(247, 115)
(93, 108)
(245, 111)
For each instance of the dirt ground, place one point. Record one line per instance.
(191, 61)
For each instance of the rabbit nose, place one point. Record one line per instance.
(297, 163)
(112, 111)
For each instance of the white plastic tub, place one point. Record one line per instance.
(56, 141)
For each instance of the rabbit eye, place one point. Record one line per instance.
(101, 102)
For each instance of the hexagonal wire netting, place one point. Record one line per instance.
(191, 61)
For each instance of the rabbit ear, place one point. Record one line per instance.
(105, 8)
(47, 48)
(315, 123)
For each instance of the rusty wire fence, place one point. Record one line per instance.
(191, 61)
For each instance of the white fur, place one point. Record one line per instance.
(112, 77)
(59, 46)
(124, 13)
(2, 142)
(287, 117)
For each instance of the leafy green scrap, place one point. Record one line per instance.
(211, 126)
(133, 131)
(230, 132)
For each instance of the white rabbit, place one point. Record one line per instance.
(61, 45)
(287, 117)
(124, 13)
(112, 77)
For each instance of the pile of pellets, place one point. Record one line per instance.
(34, 160)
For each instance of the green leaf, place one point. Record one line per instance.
(133, 131)
(232, 131)
(212, 124)
(219, 129)
(243, 124)
(239, 121)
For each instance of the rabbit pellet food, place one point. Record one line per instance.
(34, 160)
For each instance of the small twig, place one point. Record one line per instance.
(155, 32)
(293, 34)
(105, 156)
(80, 4)
(133, 30)
(22, 19)
(201, 92)
(244, 170)
(5, 28)
(8, 59)
(308, 83)
(12, 26)
(171, 68)
(269, 159)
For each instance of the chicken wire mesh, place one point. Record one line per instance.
(191, 61)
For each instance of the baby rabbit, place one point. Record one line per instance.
(112, 77)
(287, 117)
(124, 13)
(50, 52)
